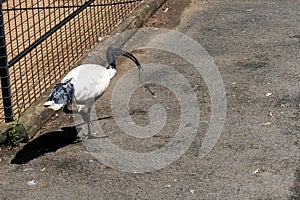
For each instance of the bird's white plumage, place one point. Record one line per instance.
(90, 81)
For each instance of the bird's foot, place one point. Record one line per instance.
(95, 136)
(77, 140)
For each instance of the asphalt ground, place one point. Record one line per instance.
(252, 45)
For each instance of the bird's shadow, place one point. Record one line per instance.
(48, 142)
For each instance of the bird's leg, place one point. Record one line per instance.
(89, 122)
(87, 119)
(67, 110)
(91, 135)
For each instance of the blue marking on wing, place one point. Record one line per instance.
(62, 93)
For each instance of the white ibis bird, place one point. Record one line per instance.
(85, 84)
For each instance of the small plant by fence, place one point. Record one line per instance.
(40, 40)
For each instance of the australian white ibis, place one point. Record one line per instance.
(85, 84)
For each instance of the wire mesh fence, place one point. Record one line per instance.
(40, 40)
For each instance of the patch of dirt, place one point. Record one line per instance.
(168, 15)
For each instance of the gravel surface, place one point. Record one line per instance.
(255, 45)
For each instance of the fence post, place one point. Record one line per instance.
(4, 73)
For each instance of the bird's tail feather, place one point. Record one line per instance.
(53, 106)
(48, 103)
(61, 95)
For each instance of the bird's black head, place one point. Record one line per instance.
(114, 52)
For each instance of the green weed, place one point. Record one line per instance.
(15, 134)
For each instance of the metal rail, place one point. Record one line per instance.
(4, 73)
(30, 62)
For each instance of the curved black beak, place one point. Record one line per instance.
(114, 52)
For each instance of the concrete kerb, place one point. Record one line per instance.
(37, 115)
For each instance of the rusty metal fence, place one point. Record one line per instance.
(40, 40)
